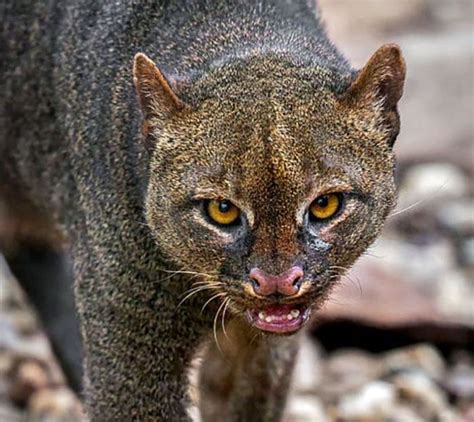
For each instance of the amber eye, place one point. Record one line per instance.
(222, 211)
(325, 206)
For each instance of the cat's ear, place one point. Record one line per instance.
(155, 93)
(381, 82)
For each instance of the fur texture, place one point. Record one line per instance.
(247, 102)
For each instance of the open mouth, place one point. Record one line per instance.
(279, 318)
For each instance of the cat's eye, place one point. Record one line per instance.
(222, 212)
(325, 206)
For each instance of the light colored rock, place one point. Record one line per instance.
(307, 372)
(422, 357)
(6, 362)
(350, 362)
(28, 377)
(418, 388)
(455, 297)
(458, 216)
(9, 413)
(432, 183)
(404, 413)
(36, 346)
(10, 292)
(422, 265)
(54, 405)
(25, 322)
(448, 415)
(303, 408)
(374, 401)
(460, 383)
(346, 371)
(9, 334)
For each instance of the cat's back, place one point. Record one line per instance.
(27, 103)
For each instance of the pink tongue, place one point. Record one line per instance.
(278, 310)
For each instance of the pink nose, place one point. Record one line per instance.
(287, 283)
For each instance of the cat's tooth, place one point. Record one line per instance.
(295, 313)
(261, 315)
(268, 319)
(289, 317)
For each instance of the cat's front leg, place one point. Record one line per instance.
(246, 377)
(263, 379)
(137, 345)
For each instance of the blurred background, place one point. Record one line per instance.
(396, 341)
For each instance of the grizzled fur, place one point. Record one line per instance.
(249, 102)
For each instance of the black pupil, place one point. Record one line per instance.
(224, 206)
(322, 201)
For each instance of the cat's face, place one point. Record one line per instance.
(273, 196)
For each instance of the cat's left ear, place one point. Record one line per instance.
(381, 82)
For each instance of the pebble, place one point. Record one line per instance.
(307, 372)
(9, 413)
(404, 413)
(454, 295)
(374, 401)
(305, 409)
(27, 377)
(460, 383)
(417, 387)
(25, 322)
(6, 363)
(457, 216)
(410, 260)
(431, 182)
(54, 405)
(423, 357)
(347, 370)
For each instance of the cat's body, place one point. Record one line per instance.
(255, 106)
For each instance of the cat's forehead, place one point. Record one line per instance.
(275, 148)
(272, 161)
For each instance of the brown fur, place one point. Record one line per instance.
(249, 103)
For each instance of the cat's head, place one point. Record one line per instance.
(274, 180)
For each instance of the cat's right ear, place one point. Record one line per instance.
(380, 84)
(155, 93)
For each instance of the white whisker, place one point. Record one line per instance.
(215, 327)
(211, 299)
(192, 292)
(227, 303)
(420, 201)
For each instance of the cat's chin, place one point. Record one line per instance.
(279, 319)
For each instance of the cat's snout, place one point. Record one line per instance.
(286, 284)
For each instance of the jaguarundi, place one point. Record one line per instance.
(210, 169)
